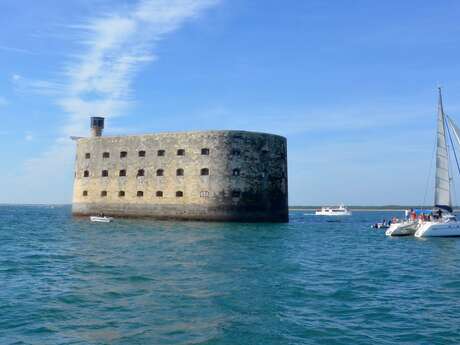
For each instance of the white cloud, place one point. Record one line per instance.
(115, 46)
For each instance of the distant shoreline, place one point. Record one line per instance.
(386, 208)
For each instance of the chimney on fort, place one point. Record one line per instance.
(97, 125)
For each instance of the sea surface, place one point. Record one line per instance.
(69, 281)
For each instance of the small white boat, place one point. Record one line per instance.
(403, 228)
(333, 211)
(101, 219)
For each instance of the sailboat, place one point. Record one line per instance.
(443, 223)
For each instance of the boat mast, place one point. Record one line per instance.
(442, 197)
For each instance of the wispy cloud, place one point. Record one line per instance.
(115, 46)
(14, 50)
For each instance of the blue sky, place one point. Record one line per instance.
(351, 84)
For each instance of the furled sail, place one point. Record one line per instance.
(442, 198)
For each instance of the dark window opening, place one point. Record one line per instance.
(159, 194)
(160, 172)
(181, 152)
(140, 194)
(104, 193)
(180, 172)
(141, 153)
(140, 172)
(161, 153)
(87, 155)
(121, 194)
(123, 154)
(85, 193)
(236, 172)
(204, 172)
(105, 173)
(106, 155)
(86, 173)
(236, 194)
(122, 172)
(205, 152)
(236, 152)
(179, 194)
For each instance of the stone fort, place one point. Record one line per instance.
(207, 175)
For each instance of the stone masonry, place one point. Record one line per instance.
(210, 175)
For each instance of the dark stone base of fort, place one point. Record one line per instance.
(183, 212)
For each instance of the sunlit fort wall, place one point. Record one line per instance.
(208, 175)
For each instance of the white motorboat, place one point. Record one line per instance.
(100, 219)
(443, 224)
(402, 228)
(333, 211)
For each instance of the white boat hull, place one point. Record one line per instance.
(402, 229)
(322, 213)
(101, 219)
(434, 229)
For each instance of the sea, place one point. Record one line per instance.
(313, 280)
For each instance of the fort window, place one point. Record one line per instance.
(204, 172)
(179, 194)
(180, 172)
(105, 173)
(236, 194)
(87, 155)
(86, 173)
(123, 172)
(205, 152)
(161, 153)
(104, 193)
(141, 153)
(85, 193)
(160, 172)
(204, 194)
(123, 154)
(236, 152)
(181, 152)
(140, 194)
(121, 194)
(236, 172)
(140, 172)
(106, 155)
(159, 194)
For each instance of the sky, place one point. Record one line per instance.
(351, 84)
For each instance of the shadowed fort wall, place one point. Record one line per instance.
(245, 180)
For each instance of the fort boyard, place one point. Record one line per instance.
(208, 175)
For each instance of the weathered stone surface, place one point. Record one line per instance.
(247, 178)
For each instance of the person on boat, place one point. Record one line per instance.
(413, 215)
(406, 214)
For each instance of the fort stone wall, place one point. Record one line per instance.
(211, 175)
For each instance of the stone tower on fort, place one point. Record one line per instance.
(209, 175)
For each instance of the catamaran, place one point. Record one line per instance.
(402, 228)
(443, 223)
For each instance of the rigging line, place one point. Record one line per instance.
(452, 145)
(455, 155)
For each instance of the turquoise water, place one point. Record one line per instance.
(67, 281)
